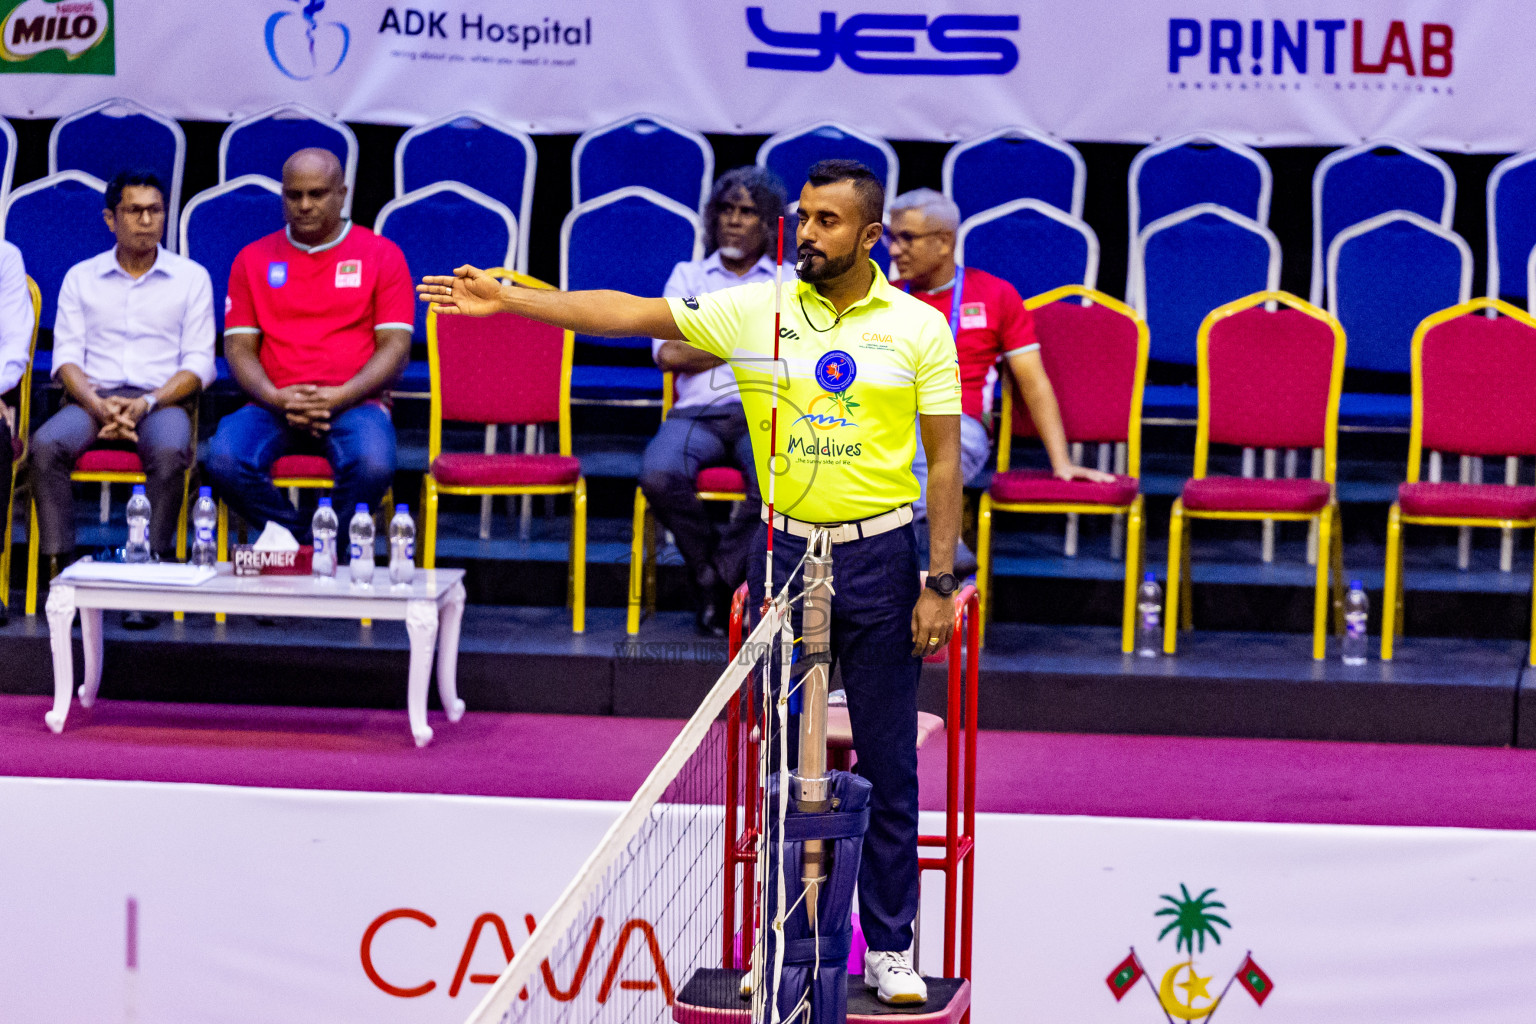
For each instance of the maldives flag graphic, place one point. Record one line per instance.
(1255, 980)
(1127, 974)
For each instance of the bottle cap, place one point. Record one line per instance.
(1356, 585)
(402, 510)
(1149, 578)
(205, 492)
(325, 502)
(362, 507)
(138, 488)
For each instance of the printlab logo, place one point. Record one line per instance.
(960, 44)
(1255, 48)
(60, 37)
(1184, 993)
(302, 46)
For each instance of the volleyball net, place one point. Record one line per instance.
(656, 903)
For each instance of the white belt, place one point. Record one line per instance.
(842, 533)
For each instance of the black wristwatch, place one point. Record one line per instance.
(945, 583)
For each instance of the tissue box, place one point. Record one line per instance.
(250, 562)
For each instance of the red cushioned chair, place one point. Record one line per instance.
(504, 369)
(1474, 393)
(714, 483)
(1271, 367)
(1095, 354)
(19, 440)
(110, 466)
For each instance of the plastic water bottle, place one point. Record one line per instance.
(361, 532)
(402, 547)
(1149, 618)
(324, 527)
(1357, 609)
(205, 517)
(137, 549)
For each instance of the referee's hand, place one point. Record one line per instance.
(470, 290)
(933, 620)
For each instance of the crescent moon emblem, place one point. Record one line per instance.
(1183, 1011)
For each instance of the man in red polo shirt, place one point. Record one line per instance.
(317, 325)
(989, 322)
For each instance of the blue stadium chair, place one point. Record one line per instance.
(1385, 275)
(1014, 163)
(445, 225)
(118, 135)
(222, 220)
(1511, 225)
(1187, 263)
(7, 159)
(647, 152)
(1190, 170)
(56, 222)
(1030, 244)
(791, 154)
(262, 143)
(1355, 184)
(495, 160)
(1193, 169)
(629, 239)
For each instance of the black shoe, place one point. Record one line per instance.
(5, 616)
(708, 621)
(140, 620)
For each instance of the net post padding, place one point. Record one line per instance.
(525, 966)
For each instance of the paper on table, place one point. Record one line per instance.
(275, 537)
(153, 574)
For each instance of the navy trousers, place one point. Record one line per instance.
(876, 585)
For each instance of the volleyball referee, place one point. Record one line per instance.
(860, 364)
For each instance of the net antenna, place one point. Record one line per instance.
(773, 413)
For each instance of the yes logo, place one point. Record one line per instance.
(863, 36)
(57, 36)
(304, 47)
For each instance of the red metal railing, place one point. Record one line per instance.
(958, 843)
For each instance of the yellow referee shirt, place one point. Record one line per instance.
(850, 389)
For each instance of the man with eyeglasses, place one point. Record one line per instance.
(132, 345)
(989, 322)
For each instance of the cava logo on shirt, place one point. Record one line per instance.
(973, 314)
(349, 274)
(277, 274)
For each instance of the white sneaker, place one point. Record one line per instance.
(893, 979)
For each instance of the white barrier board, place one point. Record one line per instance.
(252, 906)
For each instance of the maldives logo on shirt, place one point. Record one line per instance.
(349, 274)
(277, 274)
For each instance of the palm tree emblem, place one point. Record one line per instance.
(1193, 918)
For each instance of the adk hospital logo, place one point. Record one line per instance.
(304, 44)
(60, 37)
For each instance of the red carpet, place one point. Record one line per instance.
(600, 758)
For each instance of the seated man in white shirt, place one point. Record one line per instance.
(706, 426)
(15, 350)
(132, 342)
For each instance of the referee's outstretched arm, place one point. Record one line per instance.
(604, 313)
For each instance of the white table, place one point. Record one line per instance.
(432, 608)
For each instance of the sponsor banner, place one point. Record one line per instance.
(185, 904)
(1440, 73)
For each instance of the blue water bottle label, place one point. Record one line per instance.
(356, 551)
(205, 535)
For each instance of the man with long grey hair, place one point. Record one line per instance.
(706, 425)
